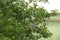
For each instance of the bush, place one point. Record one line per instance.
(19, 21)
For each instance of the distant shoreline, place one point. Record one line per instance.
(53, 19)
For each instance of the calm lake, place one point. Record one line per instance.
(54, 27)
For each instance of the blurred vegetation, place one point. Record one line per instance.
(15, 16)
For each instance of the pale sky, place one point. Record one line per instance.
(53, 4)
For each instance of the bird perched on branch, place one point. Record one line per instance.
(33, 26)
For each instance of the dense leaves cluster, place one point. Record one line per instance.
(15, 16)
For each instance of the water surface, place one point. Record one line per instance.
(54, 27)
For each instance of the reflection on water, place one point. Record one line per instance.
(54, 27)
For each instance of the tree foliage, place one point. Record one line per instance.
(15, 18)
